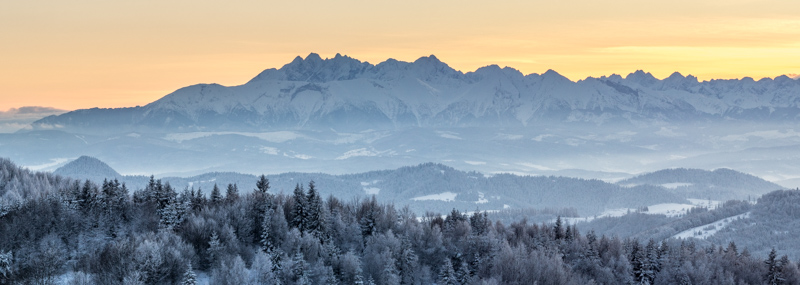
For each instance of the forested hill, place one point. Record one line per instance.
(18, 184)
(720, 184)
(430, 187)
(99, 235)
(86, 167)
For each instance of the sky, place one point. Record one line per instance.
(84, 53)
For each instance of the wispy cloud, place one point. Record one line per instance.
(16, 119)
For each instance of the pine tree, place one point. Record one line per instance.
(199, 200)
(189, 278)
(262, 185)
(774, 274)
(299, 213)
(266, 238)
(479, 222)
(6, 266)
(87, 196)
(232, 193)
(464, 276)
(314, 210)
(216, 196)
(407, 262)
(447, 275)
(214, 248)
(558, 229)
(300, 269)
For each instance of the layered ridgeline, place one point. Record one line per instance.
(346, 94)
(772, 221)
(439, 188)
(720, 184)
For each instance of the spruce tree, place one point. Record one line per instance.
(214, 249)
(447, 275)
(266, 238)
(262, 185)
(232, 193)
(299, 212)
(216, 195)
(199, 200)
(558, 229)
(313, 210)
(189, 278)
(774, 274)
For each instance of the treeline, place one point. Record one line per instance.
(400, 186)
(720, 184)
(659, 227)
(158, 235)
(774, 222)
(18, 185)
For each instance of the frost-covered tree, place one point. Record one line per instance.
(214, 248)
(447, 275)
(232, 272)
(232, 193)
(299, 211)
(262, 185)
(314, 214)
(267, 243)
(6, 262)
(216, 196)
(189, 277)
(262, 271)
(774, 275)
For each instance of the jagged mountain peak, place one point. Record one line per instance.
(642, 78)
(342, 92)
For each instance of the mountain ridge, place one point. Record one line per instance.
(345, 93)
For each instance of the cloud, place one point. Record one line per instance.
(30, 112)
(16, 119)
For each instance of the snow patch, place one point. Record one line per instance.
(298, 155)
(669, 132)
(481, 199)
(707, 230)
(675, 185)
(474, 162)
(363, 152)
(449, 135)
(710, 204)
(276, 137)
(444, 196)
(535, 166)
(269, 150)
(772, 134)
(372, 190)
(508, 137)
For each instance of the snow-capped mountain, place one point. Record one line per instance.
(346, 94)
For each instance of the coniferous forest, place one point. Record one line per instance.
(81, 233)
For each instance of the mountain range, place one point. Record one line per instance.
(341, 115)
(346, 94)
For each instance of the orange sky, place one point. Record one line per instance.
(84, 53)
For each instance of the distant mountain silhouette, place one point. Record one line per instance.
(87, 167)
(346, 94)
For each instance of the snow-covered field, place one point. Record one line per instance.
(707, 230)
(668, 209)
(444, 196)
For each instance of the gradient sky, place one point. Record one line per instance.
(83, 53)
